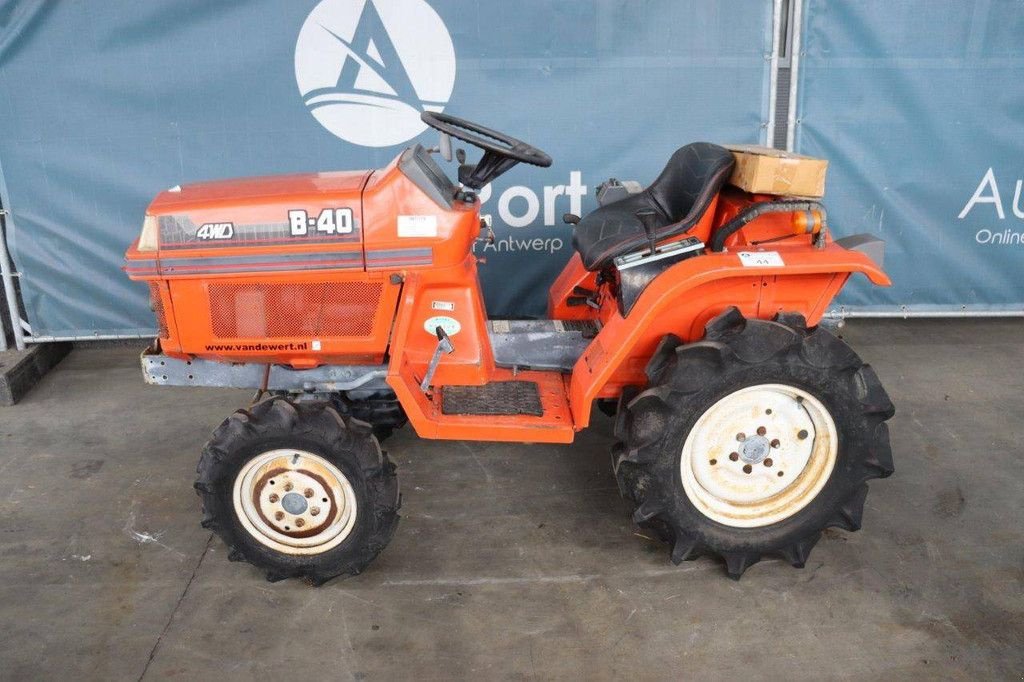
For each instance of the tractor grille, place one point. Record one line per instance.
(156, 302)
(314, 309)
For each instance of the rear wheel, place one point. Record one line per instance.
(752, 441)
(298, 491)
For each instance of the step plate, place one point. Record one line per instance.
(495, 398)
(540, 344)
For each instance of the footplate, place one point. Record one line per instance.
(540, 344)
(495, 398)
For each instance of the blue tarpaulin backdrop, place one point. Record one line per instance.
(102, 105)
(105, 104)
(912, 102)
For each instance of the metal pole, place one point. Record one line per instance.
(773, 74)
(3, 335)
(796, 30)
(7, 272)
(3, 330)
(95, 337)
(921, 314)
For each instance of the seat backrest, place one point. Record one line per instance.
(691, 178)
(679, 197)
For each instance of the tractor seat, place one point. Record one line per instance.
(679, 197)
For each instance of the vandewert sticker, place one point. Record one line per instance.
(417, 226)
(450, 325)
(442, 305)
(761, 259)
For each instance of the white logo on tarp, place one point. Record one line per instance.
(987, 192)
(367, 68)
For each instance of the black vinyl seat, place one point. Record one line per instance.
(678, 197)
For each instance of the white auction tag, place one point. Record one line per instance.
(761, 259)
(417, 226)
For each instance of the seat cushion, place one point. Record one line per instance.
(679, 197)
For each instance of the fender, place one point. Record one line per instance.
(682, 299)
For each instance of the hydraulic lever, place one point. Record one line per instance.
(444, 345)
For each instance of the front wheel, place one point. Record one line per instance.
(752, 441)
(298, 491)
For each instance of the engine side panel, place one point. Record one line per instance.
(267, 270)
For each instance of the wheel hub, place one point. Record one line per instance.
(294, 501)
(754, 449)
(759, 455)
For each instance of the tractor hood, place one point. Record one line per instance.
(272, 211)
(259, 190)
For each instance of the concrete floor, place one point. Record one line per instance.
(513, 561)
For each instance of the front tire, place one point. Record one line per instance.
(298, 491)
(752, 441)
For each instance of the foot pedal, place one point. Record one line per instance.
(495, 398)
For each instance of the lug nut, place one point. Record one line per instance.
(279, 515)
(775, 443)
(288, 487)
(713, 462)
(747, 468)
(308, 492)
(741, 436)
(315, 511)
(768, 462)
(273, 497)
(734, 456)
(802, 435)
(761, 430)
(300, 522)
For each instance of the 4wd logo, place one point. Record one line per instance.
(367, 68)
(215, 231)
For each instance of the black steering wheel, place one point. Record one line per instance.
(501, 151)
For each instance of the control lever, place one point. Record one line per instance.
(485, 224)
(445, 146)
(444, 345)
(649, 219)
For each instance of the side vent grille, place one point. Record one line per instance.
(313, 309)
(156, 302)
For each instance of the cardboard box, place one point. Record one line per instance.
(763, 170)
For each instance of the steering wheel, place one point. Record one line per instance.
(501, 151)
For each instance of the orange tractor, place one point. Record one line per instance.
(351, 301)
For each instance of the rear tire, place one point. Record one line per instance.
(298, 491)
(752, 441)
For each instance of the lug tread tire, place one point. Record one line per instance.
(348, 443)
(686, 379)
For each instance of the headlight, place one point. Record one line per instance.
(150, 234)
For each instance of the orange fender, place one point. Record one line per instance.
(682, 299)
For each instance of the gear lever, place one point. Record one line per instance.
(649, 219)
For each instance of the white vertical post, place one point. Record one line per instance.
(3, 335)
(796, 31)
(7, 273)
(773, 75)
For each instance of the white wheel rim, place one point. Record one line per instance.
(294, 502)
(759, 455)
